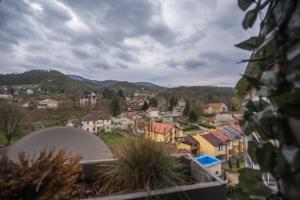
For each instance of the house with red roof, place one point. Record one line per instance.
(163, 132)
(215, 108)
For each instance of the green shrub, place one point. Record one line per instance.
(144, 165)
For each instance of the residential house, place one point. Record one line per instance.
(25, 104)
(47, 103)
(88, 100)
(29, 91)
(73, 123)
(122, 123)
(237, 138)
(4, 94)
(162, 132)
(152, 112)
(188, 143)
(226, 140)
(215, 108)
(211, 145)
(96, 121)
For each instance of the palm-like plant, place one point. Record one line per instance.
(143, 166)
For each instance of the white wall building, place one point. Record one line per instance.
(47, 103)
(96, 122)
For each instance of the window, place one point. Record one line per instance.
(88, 123)
(220, 148)
(87, 129)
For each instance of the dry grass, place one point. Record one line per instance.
(143, 166)
(51, 175)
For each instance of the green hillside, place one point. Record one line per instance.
(201, 94)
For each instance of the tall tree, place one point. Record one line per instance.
(145, 106)
(115, 106)
(153, 102)
(186, 109)
(193, 116)
(11, 118)
(173, 102)
(121, 94)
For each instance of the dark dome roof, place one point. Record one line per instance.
(73, 140)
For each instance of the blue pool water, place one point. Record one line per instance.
(207, 160)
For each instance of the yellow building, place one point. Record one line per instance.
(162, 132)
(211, 145)
(188, 143)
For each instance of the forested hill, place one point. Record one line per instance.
(50, 80)
(202, 94)
(55, 81)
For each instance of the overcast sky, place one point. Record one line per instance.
(167, 42)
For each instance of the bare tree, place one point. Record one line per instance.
(11, 118)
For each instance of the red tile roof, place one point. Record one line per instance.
(212, 139)
(221, 135)
(216, 105)
(161, 128)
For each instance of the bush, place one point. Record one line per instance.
(51, 176)
(144, 165)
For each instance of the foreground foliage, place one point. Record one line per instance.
(143, 166)
(273, 71)
(51, 175)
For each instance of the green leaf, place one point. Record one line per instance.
(245, 4)
(250, 18)
(265, 156)
(250, 44)
(252, 151)
(251, 182)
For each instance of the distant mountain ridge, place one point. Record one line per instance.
(110, 83)
(53, 80)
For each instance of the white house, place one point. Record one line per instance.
(215, 108)
(152, 112)
(29, 91)
(47, 103)
(88, 100)
(122, 123)
(96, 121)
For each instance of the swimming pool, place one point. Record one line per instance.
(207, 161)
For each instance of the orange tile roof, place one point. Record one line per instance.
(221, 135)
(216, 105)
(161, 128)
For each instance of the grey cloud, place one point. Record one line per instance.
(81, 54)
(194, 64)
(127, 56)
(216, 56)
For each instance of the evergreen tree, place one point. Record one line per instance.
(145, 106)
(115, 107)
(153, 102)
(173, 102)
(193, 116)
(121, 94)
(186, 108)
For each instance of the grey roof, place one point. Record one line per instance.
(232, 132)
(73, 140)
